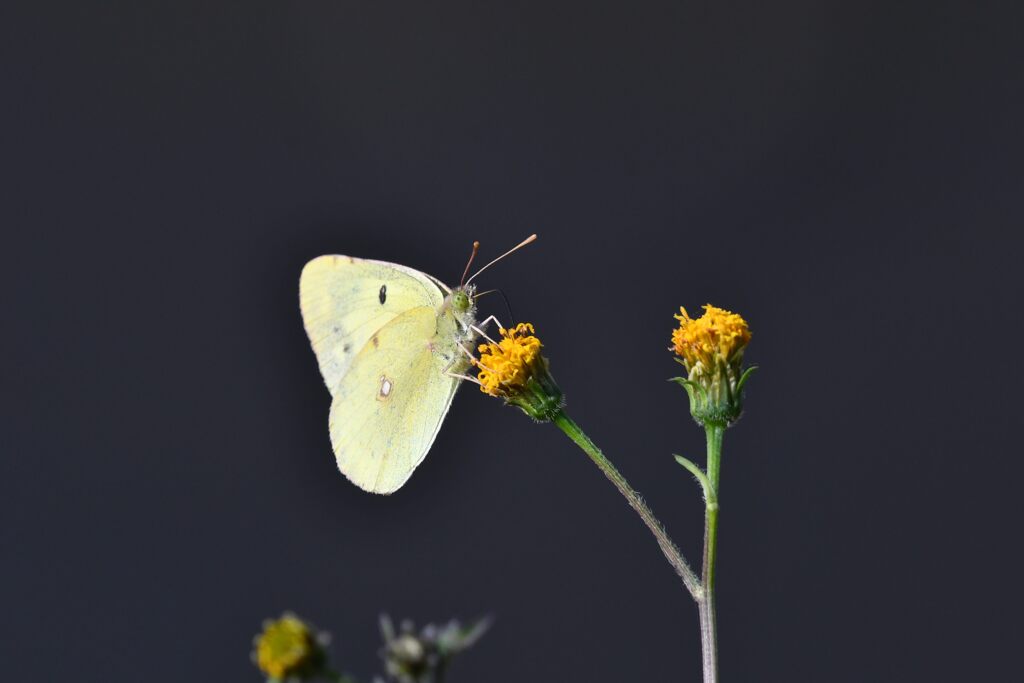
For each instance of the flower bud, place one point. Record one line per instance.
(711, 349)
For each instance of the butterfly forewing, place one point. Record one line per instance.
(345, 300)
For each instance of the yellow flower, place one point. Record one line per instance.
(288, 648)
(505, 366)
(513, 368)
(718, 334)
(711, 349)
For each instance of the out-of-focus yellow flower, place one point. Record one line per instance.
(288, 648)
(513, 368)
(711, 349)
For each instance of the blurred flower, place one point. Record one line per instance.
(411, 657)
(513, 368)
(290, 649)
(711, 349)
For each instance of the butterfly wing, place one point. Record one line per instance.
(345, 300)
(389, 405)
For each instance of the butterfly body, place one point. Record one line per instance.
(387, 339)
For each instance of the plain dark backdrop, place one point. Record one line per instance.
(846, 175)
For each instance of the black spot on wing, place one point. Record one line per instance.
(383, 296)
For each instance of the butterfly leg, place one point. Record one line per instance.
(470, 356)
(483, 325)
(467, 378)
(447, 372)
(474, 360)
(488, 320)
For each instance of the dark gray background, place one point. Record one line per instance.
(846, 175)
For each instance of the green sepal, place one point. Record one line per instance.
(689, 385)
(698, 394)
(540, 398)
(714, 398)
(743, 379)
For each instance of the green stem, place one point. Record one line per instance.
(706, 606)
(672, 553)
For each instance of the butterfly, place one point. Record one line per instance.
(393, 345)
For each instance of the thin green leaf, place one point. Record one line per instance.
(698, 473)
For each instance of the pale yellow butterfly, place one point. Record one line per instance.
(392, 344)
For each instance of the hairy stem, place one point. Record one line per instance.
(671, 551)
(708, 631)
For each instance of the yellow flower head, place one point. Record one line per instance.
(287, 648)
(711, 349)
(716, 335)
(505, 366)
(512, 368)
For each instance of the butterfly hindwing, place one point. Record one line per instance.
(390, 403)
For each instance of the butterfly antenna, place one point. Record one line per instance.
(518, 246)
(508, 306)
(476, 248)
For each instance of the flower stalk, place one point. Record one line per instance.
(668, 547)
(706, 605)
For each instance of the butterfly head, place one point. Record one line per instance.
(460, 303)
(462, 299)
